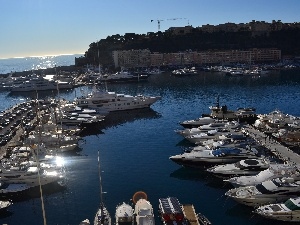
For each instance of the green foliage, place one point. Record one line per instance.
(287, 40)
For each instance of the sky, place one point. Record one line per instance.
(55, 27)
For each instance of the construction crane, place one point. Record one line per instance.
(158, 21)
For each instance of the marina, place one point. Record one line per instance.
(139, 143)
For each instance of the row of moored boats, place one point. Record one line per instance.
(224, 149)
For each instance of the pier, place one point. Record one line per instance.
(192, 217)
(279, 150)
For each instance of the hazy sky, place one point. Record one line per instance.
(52, 27)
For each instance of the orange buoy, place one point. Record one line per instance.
(139, 195)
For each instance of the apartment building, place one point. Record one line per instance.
(144, 58)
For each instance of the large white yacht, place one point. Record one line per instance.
(124, 214)
(242, 167)
(220, 155)
(112, 101)
(270, 191)
(34, 84)
(287, 211)
(31, 176)
(274, 171)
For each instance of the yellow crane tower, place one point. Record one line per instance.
(158, 21)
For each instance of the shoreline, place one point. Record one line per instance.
(46, 71)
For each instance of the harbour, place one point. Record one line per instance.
(135, 148)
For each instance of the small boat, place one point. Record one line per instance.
(85, 222)
(143, 209)
(288, 211)
(124, 214)
(5, 204)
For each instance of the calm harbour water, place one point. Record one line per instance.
(135, 149)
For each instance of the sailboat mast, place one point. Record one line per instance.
(100, 181)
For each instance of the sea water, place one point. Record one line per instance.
(136, 146)
(35, 63)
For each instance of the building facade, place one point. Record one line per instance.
(144, 58)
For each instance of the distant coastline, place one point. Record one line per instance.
(47, 71)
(39, 65)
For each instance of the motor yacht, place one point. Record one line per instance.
(287, 211)
(122, 76)
(274, 171)
(31, 176)
(219, 155)
(267, 192)
(112, 101)
(242, 167)
(197, 122)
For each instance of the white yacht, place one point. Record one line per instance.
(7, 189)
(197, 122)
(38, 83)
(242, 167)
(274, 171)
(124, 214)
(209, 135)
(287, 211)
(144, 212)
(121, 76)
(267, 192)
(220, 155)
(112, 101)
(30, 176)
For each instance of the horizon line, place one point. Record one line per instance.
(36, 56)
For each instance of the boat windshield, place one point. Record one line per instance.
(226, 151)
(291, 205)
(266, 187)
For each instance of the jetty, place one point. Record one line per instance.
(278, 149)
(193, 218)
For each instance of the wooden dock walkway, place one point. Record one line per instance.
(190, 214)
(192, 217)
(279, 150)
